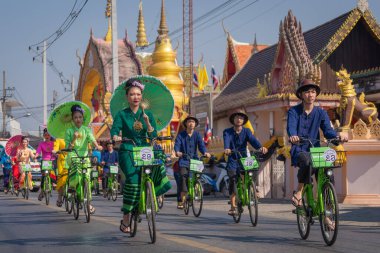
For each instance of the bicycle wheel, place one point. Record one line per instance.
(150, 211)
(252, 203)
(75, 205)
(114, 190)
(160, 201)
(133, 224)
(239, 207)
(197, 201)
(86, 200)
(329, 219)
(26, 188)
(303, 218)
(47, 190)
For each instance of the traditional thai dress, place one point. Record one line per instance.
(125, 121)
(80, 145)
(62, 171)
(24, 158)
(45, 149)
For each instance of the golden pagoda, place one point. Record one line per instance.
(142, 41)
(164, 65)
(108, 37)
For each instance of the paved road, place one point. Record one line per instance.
(31, 226)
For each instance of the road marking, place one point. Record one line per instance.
(176, 239)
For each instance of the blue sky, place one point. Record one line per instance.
(24, 23)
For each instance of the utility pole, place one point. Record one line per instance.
(3, 100)
(115, 51)
(45, 85)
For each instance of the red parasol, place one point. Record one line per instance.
(12, 145)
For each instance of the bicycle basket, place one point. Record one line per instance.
(142, 156)
(325, 157)
(26, 167)
(249, 163)
(47, 165)
(114, 169)
(196, 165)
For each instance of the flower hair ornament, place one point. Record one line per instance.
(77, 108)
(135, 83)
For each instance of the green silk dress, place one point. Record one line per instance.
(124, 121)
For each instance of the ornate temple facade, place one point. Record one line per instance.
(265, 86)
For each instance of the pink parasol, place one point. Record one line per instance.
(12, 145)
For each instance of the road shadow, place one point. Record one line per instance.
(361, 214)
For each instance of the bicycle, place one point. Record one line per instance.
(194, 197)
(79, 184)
(325, 205)
(95, 180)
(46, 168)
(245, 189)
(26, 168)
(11, 187)
(112, 183)
(146, 159)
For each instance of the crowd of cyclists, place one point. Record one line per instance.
(304, 121)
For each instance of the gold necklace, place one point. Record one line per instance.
(137, 125)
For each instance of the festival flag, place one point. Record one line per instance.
(214, 78)
(204, 76)
(208, 133)
(200, 78)
(195, 78)
(249, 126)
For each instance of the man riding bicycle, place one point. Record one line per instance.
(235, 139)
(305, 120)
(187, 143)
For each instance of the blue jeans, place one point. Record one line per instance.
(177, 177)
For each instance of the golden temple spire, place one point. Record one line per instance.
(142, 41)
(164, 64)
(108, 37)
(163, 30)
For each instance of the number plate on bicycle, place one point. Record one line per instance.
(114, 169)
(94, 174)
(47, 165)
(249, 163)
(323, 157)
(196, 165)
(143, 156)
(26, 167)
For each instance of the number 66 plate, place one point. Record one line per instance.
(143, 156)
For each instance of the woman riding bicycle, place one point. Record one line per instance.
(135, 124)
(109, 157)
(78, 137)
(24, 155)
(235, 139)
(186, 147)
(305, 120)
(45, 150)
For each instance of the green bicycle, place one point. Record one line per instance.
(46, 168)
(26, 168)
(325, 205)
(194, 196)
(79, 184)
(245, 188)
(11, 187)
(145, 158)
(112, 182)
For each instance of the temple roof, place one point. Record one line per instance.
(244, 50)
(319, 41)
(126, 53)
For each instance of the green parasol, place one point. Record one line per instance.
(156, 98)
(60, 118)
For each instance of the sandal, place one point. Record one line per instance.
(124, 228)
(180, 206)
(232, 211)
(92, 210)
(59, 203)
(329, 224)
(296, 201)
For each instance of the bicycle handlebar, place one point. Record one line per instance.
(153, 139)
(335, 141)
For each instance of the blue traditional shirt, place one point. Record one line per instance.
(238, 141)
(188, 145)
(6, 161)
(109, 158)
(307, 126)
